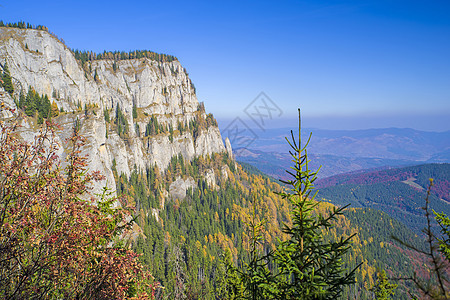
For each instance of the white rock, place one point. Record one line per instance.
(178, 188)
(48, 66)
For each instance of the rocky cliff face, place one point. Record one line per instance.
(155, 89)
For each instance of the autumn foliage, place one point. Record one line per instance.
(56, 240)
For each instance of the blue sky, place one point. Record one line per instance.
(347, 64)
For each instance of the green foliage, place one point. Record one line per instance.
(23, 25)
(154, 127)
(170, 133)
(85, 56)
(7, 80)
(190, 225)
(194, 128)
(383, 289)
(202, 225)
(253, 280)
(444, 242)
(106, 114)
(95, 75)
(373, 246)
(32, 103)
(313, 267)
(210, 120)
(231, 286)
(121, 122)
(135, 113)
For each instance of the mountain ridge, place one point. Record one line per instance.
(386, 143)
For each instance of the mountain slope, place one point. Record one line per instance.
(184, 240)
(399, 192)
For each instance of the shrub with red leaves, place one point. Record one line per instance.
(56, 241)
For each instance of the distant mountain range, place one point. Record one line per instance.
(275, 164)
(342, 151)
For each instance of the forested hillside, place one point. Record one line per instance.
(183, 241)
(398, 192)
(183, 244)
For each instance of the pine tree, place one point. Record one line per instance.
(54, 109)
(121, 122)
(135, 114)
(106, 114)
(7, 80)
(30, 103)
(383, 289)
(45, 106)
(21, 100)
(95, 75)
(305, 266)
(312, 267)
(40, 119)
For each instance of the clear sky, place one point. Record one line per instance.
(347, 64)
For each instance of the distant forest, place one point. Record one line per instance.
(84, 56)
(23, 25)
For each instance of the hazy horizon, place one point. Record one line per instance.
(348, 65)
(433, 123)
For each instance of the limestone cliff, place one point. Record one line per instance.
(155, 90)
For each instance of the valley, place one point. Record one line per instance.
(343, 151)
